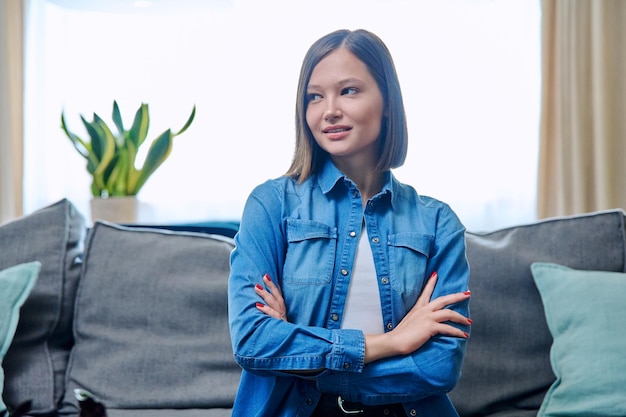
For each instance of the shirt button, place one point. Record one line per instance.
(375, 240)
(334, 316)
(352, 233)
(413, 413)
(355, 194)
(384, 280)
(344, 272)
(389, 326)
(309, 401)
(346, 365)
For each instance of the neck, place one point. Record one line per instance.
(368, 180)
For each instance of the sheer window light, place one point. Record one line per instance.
(469, 71)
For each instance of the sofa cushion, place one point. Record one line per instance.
(36, 361)
(16, 284)
(585, 311)
(507, 368)
(151, 322)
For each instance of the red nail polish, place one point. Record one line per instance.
(470, 321)
(466, 335)
(260, 305)
(267, 278)
(433, 275)
(467, 292)
(258, 287)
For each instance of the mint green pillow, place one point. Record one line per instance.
(16, 283)
(585, 311)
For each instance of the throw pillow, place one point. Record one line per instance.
(16, 284)
(36, 362)
(151, 322)
(585, 311)
(508, 313)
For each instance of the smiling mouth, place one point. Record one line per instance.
(336, 129)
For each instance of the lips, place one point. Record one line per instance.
(336, 129)
(336, 132)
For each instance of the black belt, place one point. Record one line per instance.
(334, 405)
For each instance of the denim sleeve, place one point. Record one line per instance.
(262, 344)
(433, 369)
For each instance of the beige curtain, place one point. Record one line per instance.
(11, 99)
(582, 157)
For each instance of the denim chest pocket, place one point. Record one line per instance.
(408, 258)
(310, 254)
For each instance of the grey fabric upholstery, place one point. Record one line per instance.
(151, 323)
(213, 412)
(507, 368)
(36, 361)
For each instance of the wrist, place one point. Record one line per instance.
(378, 346)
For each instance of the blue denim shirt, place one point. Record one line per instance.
(305, 236)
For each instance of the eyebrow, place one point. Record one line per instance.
(341, 83)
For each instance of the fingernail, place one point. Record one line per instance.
(433, 275)
(466, 335)
(267, 278)
(260, 305)
(258, 287)
(467, 293)
(470, 321)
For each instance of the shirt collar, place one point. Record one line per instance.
(329, 176)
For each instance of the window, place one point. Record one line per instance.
(469, 71)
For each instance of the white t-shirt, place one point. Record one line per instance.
(363, 310)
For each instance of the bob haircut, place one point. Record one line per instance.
(370, 49)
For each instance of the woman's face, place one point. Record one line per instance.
(345, 108)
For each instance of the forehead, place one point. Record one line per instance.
(339, 65)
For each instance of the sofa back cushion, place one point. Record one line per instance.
(36, 361)
(151, 323)
(507, 368)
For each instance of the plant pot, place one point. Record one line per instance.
(115, 209)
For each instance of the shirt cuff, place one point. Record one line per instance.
(348, 352)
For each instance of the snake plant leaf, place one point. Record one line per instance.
(106, 140)
(188, 123)
(119, 140)
(139, 130)
(118, 177)
(117, 118)
(81, 146)
(97, 145)
(158, 152)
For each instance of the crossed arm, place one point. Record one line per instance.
(426, 319)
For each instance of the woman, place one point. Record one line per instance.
(348, 290)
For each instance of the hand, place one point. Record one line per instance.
(426, 319)
(272, 296)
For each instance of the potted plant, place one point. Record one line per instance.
(112, 157)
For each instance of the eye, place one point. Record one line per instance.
(311, 97)
(349, 91)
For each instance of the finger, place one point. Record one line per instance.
(447, 330)
(269, 311)
(274, 301)
(427, 292)
(447, 315)
(274, 289)
(447, 300)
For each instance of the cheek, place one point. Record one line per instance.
(312, 118)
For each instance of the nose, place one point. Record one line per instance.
(333, 112)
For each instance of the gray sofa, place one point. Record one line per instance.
(137, 315)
